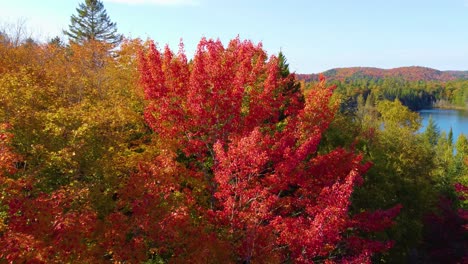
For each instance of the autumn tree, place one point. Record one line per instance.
(92, 24)
(57, 116)
(249, 143)
(73, 157)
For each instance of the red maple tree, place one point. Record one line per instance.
(244, 129)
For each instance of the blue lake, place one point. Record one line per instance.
(446, 119)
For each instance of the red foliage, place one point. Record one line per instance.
(273, 194)
(41, 228)
(153, 218)
(47, 228)
(225, 91)
(238, 179)
(7, 157)
(445, 232)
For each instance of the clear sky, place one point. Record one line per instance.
(314, 35)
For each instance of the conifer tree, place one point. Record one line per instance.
(450, 136)
(92, 23)
(432, 131)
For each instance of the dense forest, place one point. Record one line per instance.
(414, 73)
(416, 87)
(114, 150)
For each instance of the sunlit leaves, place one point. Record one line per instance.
(254, 139)
(232, 172)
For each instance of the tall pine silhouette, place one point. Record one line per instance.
(92, 23)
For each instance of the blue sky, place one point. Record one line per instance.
(314, 35)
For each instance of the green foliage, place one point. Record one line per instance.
(462, 145)
(92, 24)
(401, 171)
(460, 164)
(283, 65)
(415, 95)
(450, 136)
(396, 118)
(431, 133)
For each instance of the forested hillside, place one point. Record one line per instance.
(116, 150)
(416, 87)
(405, 73)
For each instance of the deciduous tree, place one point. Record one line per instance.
(269, 193)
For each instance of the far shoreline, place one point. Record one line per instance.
(450, 107)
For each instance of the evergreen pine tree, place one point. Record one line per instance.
(289, 88)
(450, 136)
(92, 23)
(56, 41)
(283, 64)
(370, 100)
(432, 131)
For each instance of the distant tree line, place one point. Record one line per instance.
(415, 95)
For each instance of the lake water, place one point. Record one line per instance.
(446, 119)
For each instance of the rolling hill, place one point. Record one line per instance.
(414, 73)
